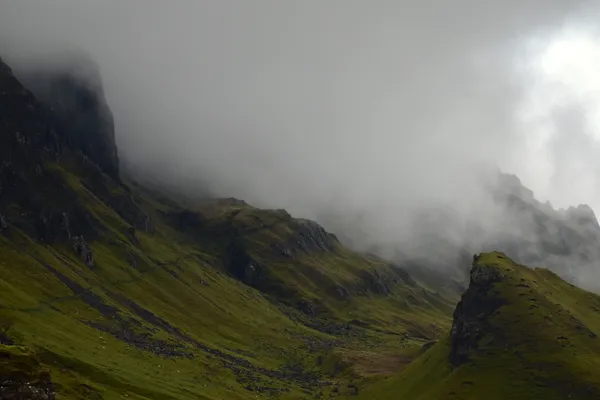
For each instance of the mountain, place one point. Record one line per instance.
(518, 333)
(109, 290)
(72, 90)
(505, 216)
(115, 288)
(565, 240)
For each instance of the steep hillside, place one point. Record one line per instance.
(110, 291)
(518, 333)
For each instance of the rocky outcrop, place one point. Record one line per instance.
(374, 282)
(242, 265)
(34, 197)
(311, 236)
(83, 250)
(72, 90)
(22, 376)
(59, 120)
(471, 316)
(3, 223)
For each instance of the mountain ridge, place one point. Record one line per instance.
(109, 289)
(107, 284)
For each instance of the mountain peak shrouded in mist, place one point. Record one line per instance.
(70, 85)
(117, 275)
(242, 200)
(389, 107)
(494, 211)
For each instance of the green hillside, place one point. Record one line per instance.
(242, 303)
(518, 333)
(109, 291)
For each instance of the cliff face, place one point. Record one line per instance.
(74, 94)
(471, 317)
(32, 195)
(68, 134)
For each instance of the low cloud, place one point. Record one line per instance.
(371, 112)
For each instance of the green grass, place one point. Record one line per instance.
(541, 343)
(221, 300)
(226, 301)
(161, 315)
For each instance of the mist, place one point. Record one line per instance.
(366, 113)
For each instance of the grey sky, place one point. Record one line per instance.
(385, 105)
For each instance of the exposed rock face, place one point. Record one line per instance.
(73, 92)
(59, 118)
(313, 237)
(22, 377)
(477, 304)
(3, 223)
(83, 250)
(241, 265)
(374, 282)
(33, 197)
(24, 389)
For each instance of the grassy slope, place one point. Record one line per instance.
(541, 343)
(159, 315)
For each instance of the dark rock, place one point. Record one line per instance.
(330, 327)
(131, 258)
(22, 377)
(377, 283)
(311, 236)
(477, 304)
(66, 224)
(73, 91)
(32, 197)
(131, 233)
(4, 338)
(483, 276)
(341, 292)
(83, 250)
(308, 308)
(3, 223)
(284, 251)
(360, 323)
(241, 265)
(404, 275)
(428, 345)
(122, 330)
(353, 389)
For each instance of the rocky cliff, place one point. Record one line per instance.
(471, 317)
(73, 92)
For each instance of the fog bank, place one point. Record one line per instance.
(374, 110)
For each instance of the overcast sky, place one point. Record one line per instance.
(386, 105)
